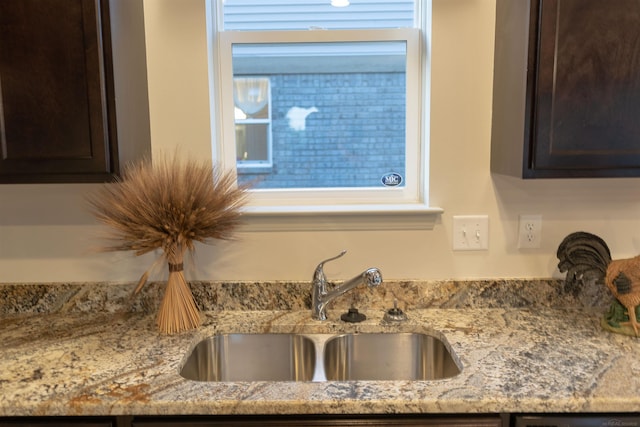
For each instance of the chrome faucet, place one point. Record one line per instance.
(320, 297)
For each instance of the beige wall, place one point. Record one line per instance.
(46, 235)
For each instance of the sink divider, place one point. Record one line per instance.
(319, 340)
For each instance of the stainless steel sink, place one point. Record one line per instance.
(319, 357)
(252, 357)
(394, 356)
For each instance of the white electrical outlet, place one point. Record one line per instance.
(530, 231)
(470, 232)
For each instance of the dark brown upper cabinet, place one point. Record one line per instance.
(567, 89)
(57, 106)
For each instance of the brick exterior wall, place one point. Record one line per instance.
(356, 136)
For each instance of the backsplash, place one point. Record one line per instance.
(33, 298)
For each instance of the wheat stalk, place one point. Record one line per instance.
(169, 204)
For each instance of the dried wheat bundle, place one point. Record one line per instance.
(169, 204)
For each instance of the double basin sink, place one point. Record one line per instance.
(320, 357)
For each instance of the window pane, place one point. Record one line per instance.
(251, 97)
(308, 14)
(252, 143)
(338, 114)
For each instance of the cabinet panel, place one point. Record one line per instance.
(56, 422)
(584, 87)
(57, 115)
(576, 73)
(320, 420)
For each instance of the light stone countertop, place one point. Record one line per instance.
(513, 360)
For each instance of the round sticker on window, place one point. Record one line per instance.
(391, 179)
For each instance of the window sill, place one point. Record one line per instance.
(335, 217)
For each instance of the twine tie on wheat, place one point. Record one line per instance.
(176, 267)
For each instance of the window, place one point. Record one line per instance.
(252, 112)
(323, 109)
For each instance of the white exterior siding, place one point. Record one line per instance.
(305, 14)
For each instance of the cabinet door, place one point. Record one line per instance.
(320, 421)
(583, 89)
(56, 422)
(57, 116)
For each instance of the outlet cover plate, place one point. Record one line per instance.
(470, 232)
(529, 231)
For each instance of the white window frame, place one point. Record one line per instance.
(334, 209)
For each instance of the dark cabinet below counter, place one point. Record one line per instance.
(567, 91)
(389, 420)
(263, 420)
(323, 421)
(57, 102)
(59, 422)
